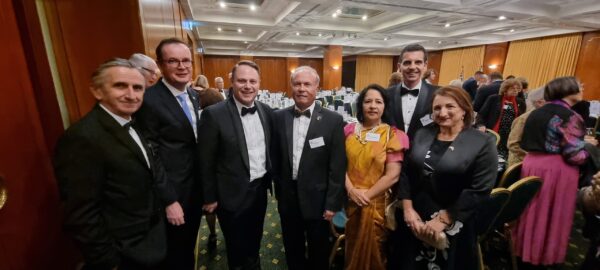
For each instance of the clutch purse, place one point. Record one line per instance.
(439, 243)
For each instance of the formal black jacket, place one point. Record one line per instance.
(322, 170)
(464, 175)
(422, 108)
(484, 92)
(225, 168)
(167, 127)
(108, 192)
(470, 85)
(490, 112)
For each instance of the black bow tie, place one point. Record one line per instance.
(298, 113)
(404, 91)
(248, 110)
(129, 124)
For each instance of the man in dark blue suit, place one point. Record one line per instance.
(471, 84)
(170, 117)
(107, 173)
(485, 91)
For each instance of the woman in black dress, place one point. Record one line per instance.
(451, 168)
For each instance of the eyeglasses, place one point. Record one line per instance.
(152, 72)
(175, 62)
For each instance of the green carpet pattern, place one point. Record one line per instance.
(496, 255)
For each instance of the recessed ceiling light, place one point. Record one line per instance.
(334, 15)
(245, 42)
(339, 11)
(222, 4)
(502, 17)
(297, 33)
(252, 7)
(512, 30)
(320, 34)
(386, 38)
(239, 30)
(364, 17)
(447, 25)
(219, 29)
(440, 42)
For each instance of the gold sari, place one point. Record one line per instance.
(366, 233)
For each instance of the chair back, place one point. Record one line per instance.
(521, 194)
(338, 103)
(495, 134)
(488, 210)
(511, 175)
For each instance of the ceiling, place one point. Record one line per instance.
(304, 28)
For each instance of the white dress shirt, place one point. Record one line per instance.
(409, 104)
(122, 121)
(176, 92)
(299, 137)
(255, 142)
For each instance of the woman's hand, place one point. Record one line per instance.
(413, 220)
(591, 140)
(358, 196)
(433, 228)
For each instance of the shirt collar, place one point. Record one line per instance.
(122, 121)
(239, 105)
(311, 108)
(176, 92)
(416, 87)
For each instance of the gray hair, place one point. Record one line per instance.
(98, 75)
(141, 60)
(218, 78)
(534, 96)
(305, 69)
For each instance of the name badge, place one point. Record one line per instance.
(505, 106)
(372, 137)
(316, 142)
(426, 120)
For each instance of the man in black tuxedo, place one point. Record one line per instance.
(236, 165)
(170, 117)
(485, 91)
(410, 101)
(309, 164)
(107, 174)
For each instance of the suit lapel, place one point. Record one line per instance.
(265, 122)
(112, 126)
(289, 133)
(174, 107)
(195, 98)
(239, 131)
(420, 107)
(398, 108)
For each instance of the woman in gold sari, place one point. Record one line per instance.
(375, 151)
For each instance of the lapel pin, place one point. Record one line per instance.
(318, 118)
(451, 148)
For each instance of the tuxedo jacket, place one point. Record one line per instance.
(422, 108)
(484, 92)
(321, 173)
(168, 128)
(225, 168)
(490, 111)
(108, 192)
(463, 176)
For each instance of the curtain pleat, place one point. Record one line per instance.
(543, 59)
(457, 61)
(373, 69)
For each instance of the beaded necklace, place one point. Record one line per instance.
(358, 128)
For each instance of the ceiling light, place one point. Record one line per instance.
(219, 29)
(239, 30)
(512, 30)
(297, 33)
(222, 4)
(447, 25)
(245, 42)
(334, 15)
(320, 34)
(501, 17)
(252, 7)
(364, 17)
(440, 42)
(339, 11)
(386, 38)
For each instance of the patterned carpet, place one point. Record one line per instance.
(272, 254)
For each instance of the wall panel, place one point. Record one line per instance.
(332, 59)
(316, 63)
(373, 69)
(219, 66)
(434, 61)
(273, 73)
(495, 54)
(160, 19)
(588, 65)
